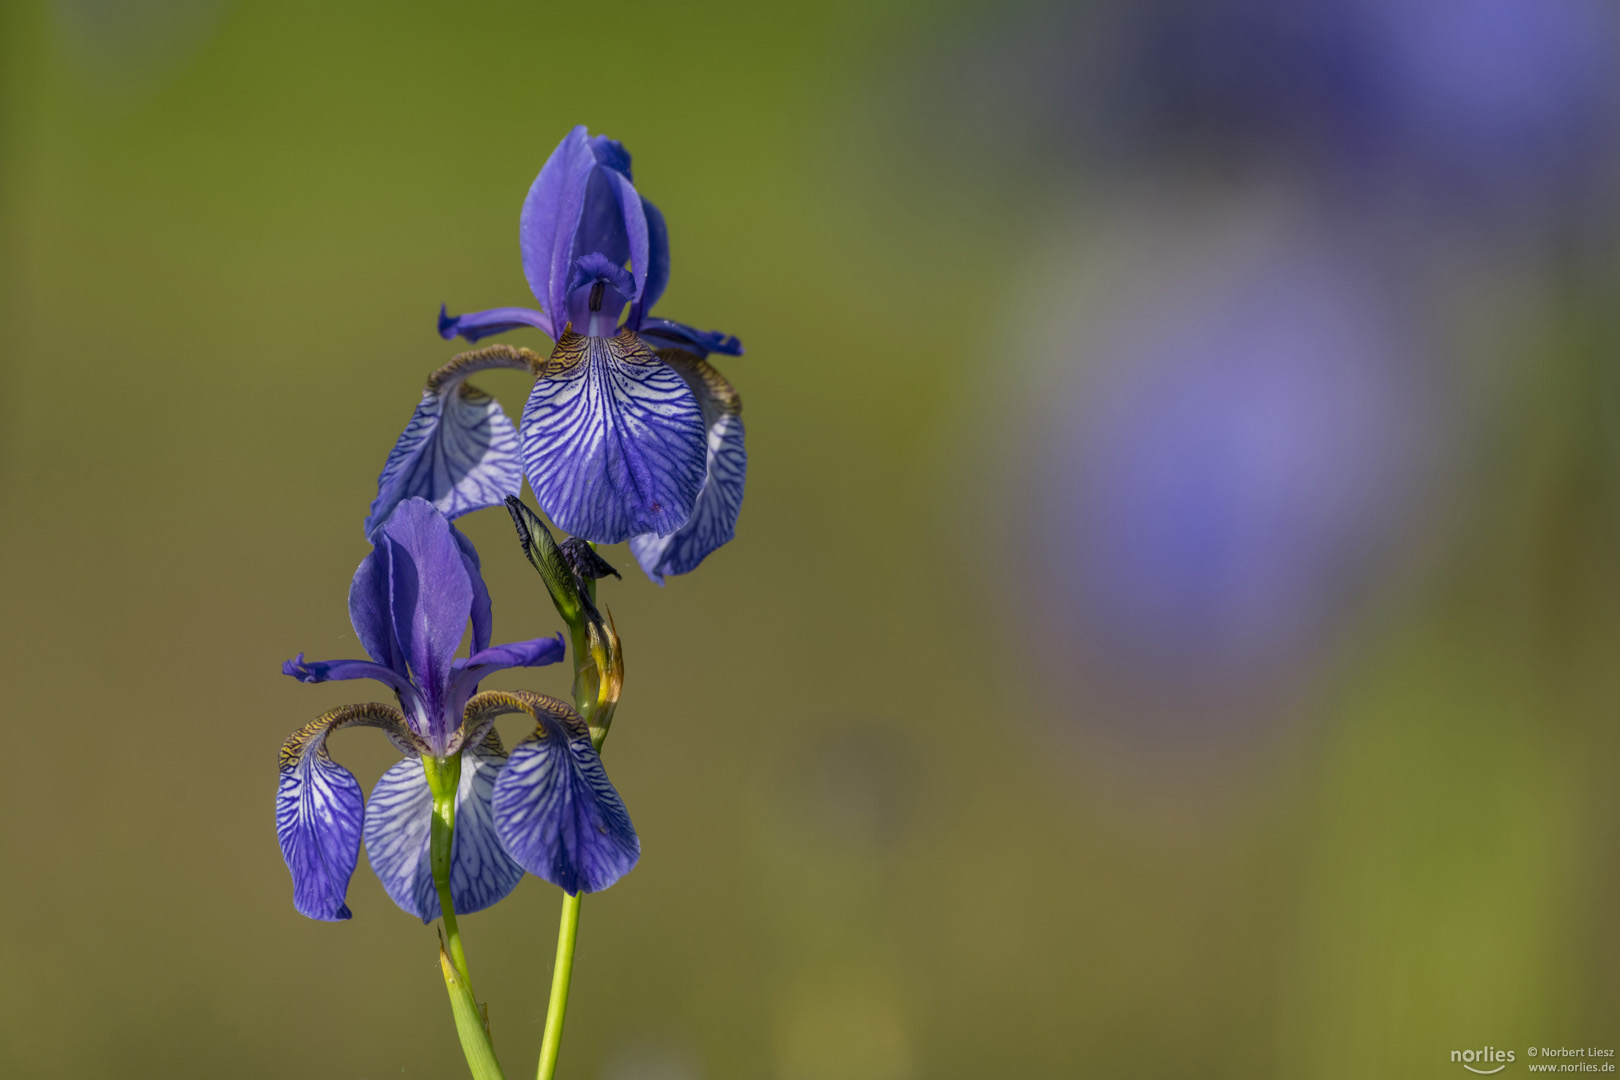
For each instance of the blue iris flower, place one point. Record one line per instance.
(548, 808)
(629, 433)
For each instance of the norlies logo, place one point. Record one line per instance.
(1482, 1061)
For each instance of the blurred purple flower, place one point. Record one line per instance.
(1211, 493)
(1486, 112)
(1485, 104)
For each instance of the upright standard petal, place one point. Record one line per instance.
(611, 154)
(431, 595)
(371, 612)
(612, 219)
(318, 810)
(714, 519)
(483, 610)
(635, 228)
(397, 832)
(555, 810)
(613, 440)
(601, 226)
(550, 218)
(657, 265)
(459, 451)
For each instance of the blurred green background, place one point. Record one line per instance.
(875, 846)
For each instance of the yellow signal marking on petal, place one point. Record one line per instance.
(573, 349)
(569, 353)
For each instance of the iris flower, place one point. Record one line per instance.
(629, 433)
(548, 808)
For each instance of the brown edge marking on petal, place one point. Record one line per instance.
(483, 708)
(710, 387)
(371, 714)
(494, 356)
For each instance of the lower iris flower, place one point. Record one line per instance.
(629, 434)
(548, 808)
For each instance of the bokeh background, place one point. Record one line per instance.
(1173, 626)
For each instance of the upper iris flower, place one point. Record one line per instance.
(552, 812)
(628, 433)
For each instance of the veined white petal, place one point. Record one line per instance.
(397, 837)
(460, 452)
(714, 518)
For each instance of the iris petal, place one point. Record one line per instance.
(431, 595)
(483, 612)
(459, 451)
(597, 293)
(482, 664)
(668, 334)
(714, 519)
(613, 440)
(635, 227)
(397, 824)
(611, 154)
(371, 611)
(602, 226)
(612, 220)
(555, 809)
(551, 216)
(483, 324)
(319, 671)
(657, 265)
(318, 810)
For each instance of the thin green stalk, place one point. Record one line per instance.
(562, 971)
(472, 1024)
(587, 693)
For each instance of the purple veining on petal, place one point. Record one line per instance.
(714, 519)
(559, 816)
(613, 441)
(318, 813)
(459, 451)
(397, 834)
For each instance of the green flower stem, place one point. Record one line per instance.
(561, 973)
(472, 1024)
